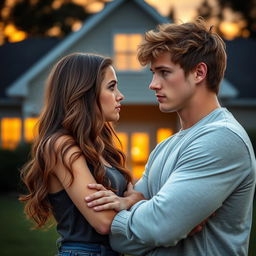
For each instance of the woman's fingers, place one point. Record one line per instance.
(97, 186)
(109, 206)
(99, 194)
(100, 201)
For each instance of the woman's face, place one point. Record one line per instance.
(110, 96)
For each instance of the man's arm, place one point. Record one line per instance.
(207, 172)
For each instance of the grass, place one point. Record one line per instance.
(18, 239)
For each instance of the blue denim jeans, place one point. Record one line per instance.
(79, 249)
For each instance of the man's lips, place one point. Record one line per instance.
(160, 97)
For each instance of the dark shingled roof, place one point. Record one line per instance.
(241, 66)
(17, 58)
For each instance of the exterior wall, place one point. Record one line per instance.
(33, 103)
(10, 110)
(146, 119)
(134, 85)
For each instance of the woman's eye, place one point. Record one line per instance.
(112, 87)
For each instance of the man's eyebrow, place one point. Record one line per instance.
(160, 67)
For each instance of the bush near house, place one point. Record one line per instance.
(11, 162)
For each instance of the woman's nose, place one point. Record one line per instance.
(120, 96)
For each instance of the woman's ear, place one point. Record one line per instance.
(200, 72)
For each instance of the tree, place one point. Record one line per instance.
(37, 18)
(205, 10)
(248, 11)
(171, 14)
(244, 13)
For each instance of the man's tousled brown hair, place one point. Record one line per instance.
(189, 44)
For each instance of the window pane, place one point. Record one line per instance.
(139, 147)
(134, 63)
(134, 41)
(121, 61)
(120, 42)
(125, 51)
(10, 132)
(138, 171)
(30, 129)
(163, 133)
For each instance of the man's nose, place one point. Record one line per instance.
(155, 84)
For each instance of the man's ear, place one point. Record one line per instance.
(200, 72)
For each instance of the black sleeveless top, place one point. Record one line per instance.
(71, 224)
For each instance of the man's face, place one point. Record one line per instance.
(173, 90)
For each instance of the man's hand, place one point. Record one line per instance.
(105, 199)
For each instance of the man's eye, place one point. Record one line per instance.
(164, 72)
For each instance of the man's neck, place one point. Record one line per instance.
(198, 109)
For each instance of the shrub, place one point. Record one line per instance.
(11, 163)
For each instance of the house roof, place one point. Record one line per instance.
(17, 58)
(241, 63)
(19, 87)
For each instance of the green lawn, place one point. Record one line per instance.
(18, 239)
(16, 236)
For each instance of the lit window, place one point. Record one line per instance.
(123, 137)
(125, 48)
(137, 171)
(163, 133)
(140, 147)
(10, 132)
(139, 153)
(30, 130)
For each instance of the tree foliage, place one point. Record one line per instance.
(37, 17)
(246, 10)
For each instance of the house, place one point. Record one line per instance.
(241, 72)
(115, 31)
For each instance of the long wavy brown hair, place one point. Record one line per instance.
(71, 109)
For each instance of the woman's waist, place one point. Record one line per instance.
(100, 249)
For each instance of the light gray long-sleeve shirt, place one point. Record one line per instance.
(207, 168)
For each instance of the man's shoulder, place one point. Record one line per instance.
(225, 127)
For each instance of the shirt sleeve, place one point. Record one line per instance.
(208, 170)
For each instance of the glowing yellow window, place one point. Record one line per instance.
(163, 133)
(30, 129)
(125, 50)
(123, 137)
(137, 171)
(139, 152)
(140, 147)
(10, 132)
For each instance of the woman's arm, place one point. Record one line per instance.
(78, 190)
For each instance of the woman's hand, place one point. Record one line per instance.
(200, 226)
(105, 199)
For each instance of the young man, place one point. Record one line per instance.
(208, 166)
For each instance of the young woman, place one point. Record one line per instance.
(75, 148)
